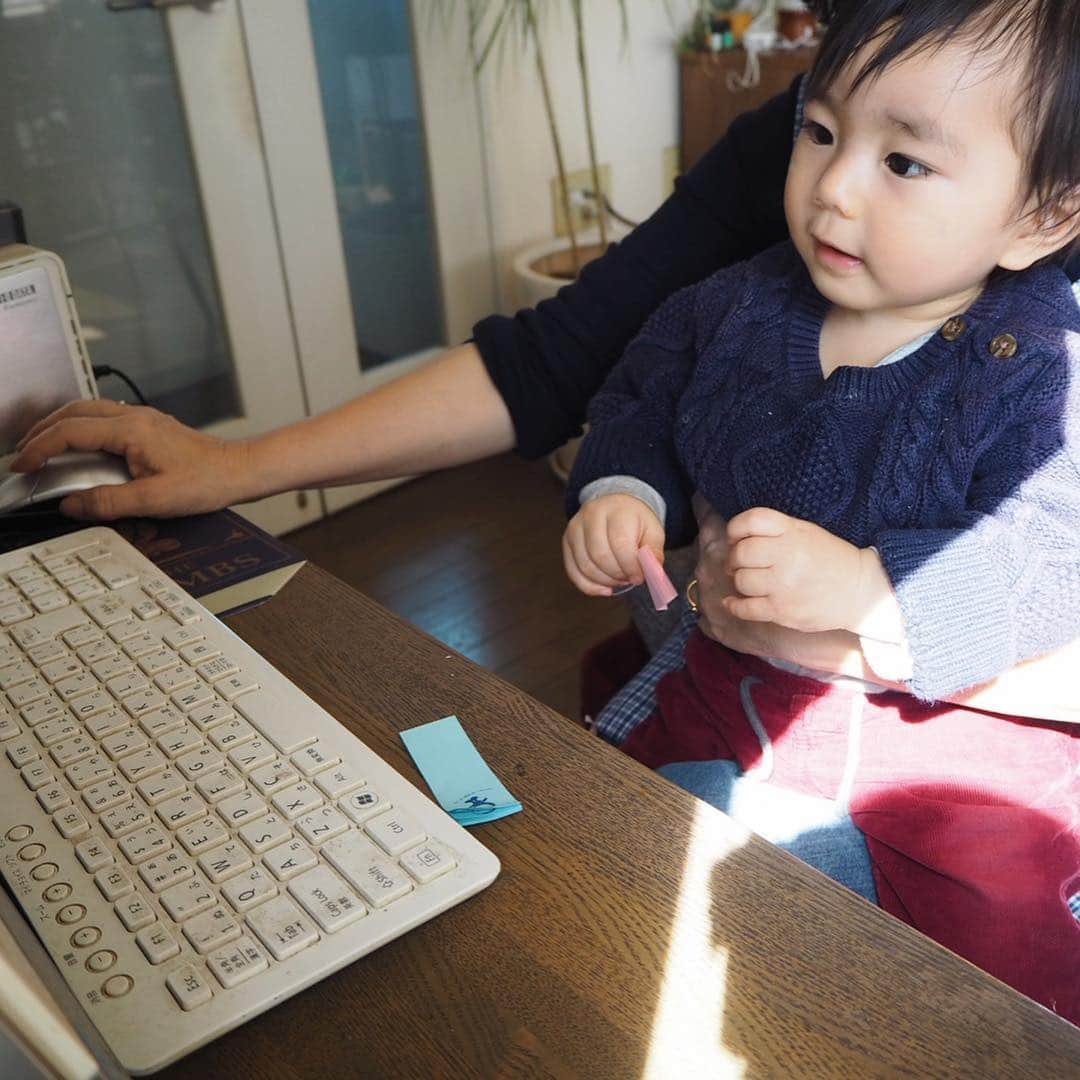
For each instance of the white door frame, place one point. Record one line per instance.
(226, 146)
(284, 76)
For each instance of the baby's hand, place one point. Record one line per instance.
(794, 573)
(601, 543)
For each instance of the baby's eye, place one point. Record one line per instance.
(817, 133)
(906, 167)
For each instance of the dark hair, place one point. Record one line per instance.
(1046, 32)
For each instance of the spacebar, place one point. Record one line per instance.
(276, 719)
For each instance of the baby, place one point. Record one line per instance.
(886, 410)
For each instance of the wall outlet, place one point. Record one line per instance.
(669, 169)
(583, 211)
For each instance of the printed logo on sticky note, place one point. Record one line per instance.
(460, 779)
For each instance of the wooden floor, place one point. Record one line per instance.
(472, 556)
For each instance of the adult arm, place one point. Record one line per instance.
(525, 382)
(441, 415)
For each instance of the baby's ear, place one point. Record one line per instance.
(1043, 232)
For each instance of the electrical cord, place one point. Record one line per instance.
(611, 209)
(102, 370)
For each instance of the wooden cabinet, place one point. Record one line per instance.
(709, 105)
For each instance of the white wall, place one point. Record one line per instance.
(635, 108)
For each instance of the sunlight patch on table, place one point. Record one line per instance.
(687, 1034)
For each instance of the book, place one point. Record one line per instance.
(222, 559)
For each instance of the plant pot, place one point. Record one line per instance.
(542, 270)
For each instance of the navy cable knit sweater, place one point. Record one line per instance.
(962, 469)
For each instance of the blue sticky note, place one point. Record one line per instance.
(459, 778)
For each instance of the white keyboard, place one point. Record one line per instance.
(191, 837)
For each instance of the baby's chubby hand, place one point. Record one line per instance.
(795, 573)
(601, 543)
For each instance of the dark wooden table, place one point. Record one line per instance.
(634, 931)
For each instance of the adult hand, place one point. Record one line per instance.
(796, 573)
(176, 470)
(837, 650)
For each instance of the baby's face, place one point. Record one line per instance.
(903, 196)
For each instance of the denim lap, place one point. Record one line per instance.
(817, 831)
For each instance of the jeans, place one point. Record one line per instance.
(818, 831)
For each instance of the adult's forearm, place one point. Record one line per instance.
(443, 414)
(1042, 689)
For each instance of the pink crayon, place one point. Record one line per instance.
(660, 588)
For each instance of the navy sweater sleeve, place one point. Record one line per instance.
(548, 362)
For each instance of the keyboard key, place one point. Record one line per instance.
(277, 774)
(187, 899)
(22, 751)
(203, 709)
(211, 929)
(217, 668)
(72, 750)
(142, 764)
(282, 927)
(135, 911)
(181, 809)
(53, 797)
(149, 842)
(250, 889)
(105, 723)
(54, 731)
(126, 741)
(123, 686)
(362, 805)
(236, 963)
(275, 721)
(199, 762)
(189, 986)
(219, 784)
(324, 824)
(93, 853)
(180, 742)
(314, 759)
(157, 944)
(428, 862)
(338, 781)
(202, 835)
(113, 882)
(395, 832)
(230, 734)
(225, 862)
(37, 775)
(327, 899)
(71, 822)
(27, 693)
(161, 721)
(124, 819)
(165, 785)
(94, 703)
(234, 686)
(288, 860)
(142, 701)
(241, 809)
(70, 688)
(295, 801)
(164, 870)
(252, 755)
(105, 794)
(46, 709)
(265, 833)
(378, 880)
(91, 770)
